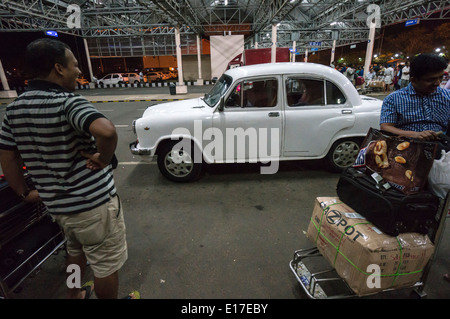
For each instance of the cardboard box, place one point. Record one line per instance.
(367, 259)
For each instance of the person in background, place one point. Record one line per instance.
(397, 74)
(388, 78)
(405, 75)
(371, 75)
(350, 73)
(67, 147)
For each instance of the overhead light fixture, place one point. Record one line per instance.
(51, 33)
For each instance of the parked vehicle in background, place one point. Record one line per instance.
(166, 75)
(153, 76)
(112, 78)
(82, 81)
(292, 111)
(131, 78)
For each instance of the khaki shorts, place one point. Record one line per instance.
(99, 234)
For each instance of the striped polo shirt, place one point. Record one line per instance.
(412, 112)
(49, 126)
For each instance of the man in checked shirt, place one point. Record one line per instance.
(422, 108)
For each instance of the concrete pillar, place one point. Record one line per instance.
(199, 62)
(88, 58)
(333, 50)
(369, 51)
(294, 46)
(274, 44)
(7, 92)
(181, 87)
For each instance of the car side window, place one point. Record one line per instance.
(334, 94)
(254, 94)
(115, 76)
(302, 92)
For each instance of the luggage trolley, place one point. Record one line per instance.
(320, 281)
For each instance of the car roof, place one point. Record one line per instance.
(314, 69)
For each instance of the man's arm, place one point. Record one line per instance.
(424, 135)
(12, 164)
(106, 140)
(388, 121)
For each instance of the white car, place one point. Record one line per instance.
(132, 78)
(260, 113)
(112, 78)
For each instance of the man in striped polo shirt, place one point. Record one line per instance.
(422, 108)
(67, 146)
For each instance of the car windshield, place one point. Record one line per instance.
(218, 90)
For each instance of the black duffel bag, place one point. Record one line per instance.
(390, 210)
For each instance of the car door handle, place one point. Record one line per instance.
(346, 111)
(274, 114)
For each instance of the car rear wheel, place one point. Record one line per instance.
(343, 154)
(177, 163)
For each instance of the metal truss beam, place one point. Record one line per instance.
(153, 22)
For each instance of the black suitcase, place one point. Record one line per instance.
(388, 209)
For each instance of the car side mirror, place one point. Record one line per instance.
(221, 104)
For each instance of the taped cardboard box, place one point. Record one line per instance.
(367, 259)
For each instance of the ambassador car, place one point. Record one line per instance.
(262, 113)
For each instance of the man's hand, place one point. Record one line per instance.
(426, 135)
(106, 141)
(33, 197)
(94, 161)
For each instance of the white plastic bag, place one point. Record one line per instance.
(439, 176)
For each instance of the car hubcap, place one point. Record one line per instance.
(345, 154)
(178, 163)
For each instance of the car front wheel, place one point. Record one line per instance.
(343, 154)
(177, 162)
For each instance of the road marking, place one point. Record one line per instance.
(121, 125)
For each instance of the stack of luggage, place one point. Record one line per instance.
(382, 216)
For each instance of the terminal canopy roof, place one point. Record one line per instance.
(152, 23)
